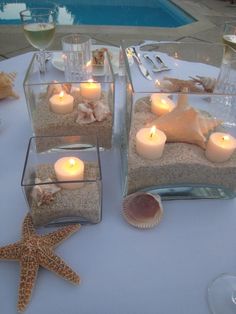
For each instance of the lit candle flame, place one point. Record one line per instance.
(225, 138)
(88, 64)
(157, 83)
(153, 131)
(61, 95)
(72, 162)
(163, 101)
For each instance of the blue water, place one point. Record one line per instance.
(149, 13)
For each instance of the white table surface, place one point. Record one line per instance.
(124, 270)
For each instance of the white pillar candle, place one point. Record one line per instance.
(61, 103)
(91, 90)
(150, 143)
(161, 104)
(220, 147)
(69, 169)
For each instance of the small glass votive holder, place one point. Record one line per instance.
(63, 183)
(60, 108)
(77, 55)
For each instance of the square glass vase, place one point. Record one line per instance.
(58, 107)
(63, 183)
(190, 96)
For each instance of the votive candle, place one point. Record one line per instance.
(69, 169)
(61, 103)
(220, 147)
(91, 90)
(150, 142)
(161, 104)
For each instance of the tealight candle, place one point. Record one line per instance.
(150, 143)
(69, 169)
(161, 104)
(220, 147)
(91, 90)
(61, 103)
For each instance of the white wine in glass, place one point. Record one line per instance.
(39, 35)
(39, 29)
(229, 34)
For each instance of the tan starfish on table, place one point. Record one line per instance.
(35, 250)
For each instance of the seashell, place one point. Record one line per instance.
(46, 198)
(56, 88)
(50, 188)
(208, 83)
(36, 194)
(6, 85)
(183, 98)
(66, 87)
(43, 194)
(185, 124)
(142, 210)
(100, 111)
(171, 84)
(208, 124)
(165, 86)
(85, 114)
(40, 196)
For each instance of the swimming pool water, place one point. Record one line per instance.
(145, 13)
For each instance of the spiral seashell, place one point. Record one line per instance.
(185, 124)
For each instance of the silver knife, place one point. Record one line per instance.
(142, 68)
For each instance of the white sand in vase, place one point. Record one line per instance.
(180, 164)
(82, 203)
(47, 123)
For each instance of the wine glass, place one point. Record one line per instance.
(222, 294)
(39, 29)
(229, 34)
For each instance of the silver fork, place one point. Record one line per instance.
(163, 66)
(154, 67)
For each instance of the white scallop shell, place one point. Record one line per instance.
(142, 210)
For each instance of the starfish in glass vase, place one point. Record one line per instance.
(35, 250)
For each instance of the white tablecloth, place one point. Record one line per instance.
(124, 270)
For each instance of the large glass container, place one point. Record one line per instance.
(85, 107)
(189, 94)
(62, 180)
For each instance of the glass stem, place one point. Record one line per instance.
(42, 61)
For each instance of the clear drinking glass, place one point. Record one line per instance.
(222, 294)
(229, 34)
(77, 55)
(39, 29)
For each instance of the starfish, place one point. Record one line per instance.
(35, 250)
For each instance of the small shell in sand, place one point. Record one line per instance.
(85, 114)
(43, 194)
(142, 210)
(101, 111)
